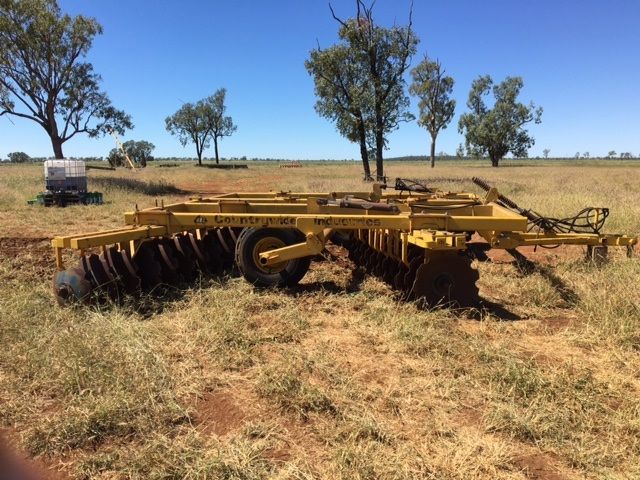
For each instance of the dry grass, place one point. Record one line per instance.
(336, 379)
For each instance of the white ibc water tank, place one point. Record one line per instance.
(64, 175)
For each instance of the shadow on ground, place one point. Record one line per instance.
(152, 188)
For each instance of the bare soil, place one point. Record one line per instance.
(218, 413)
(31, 255)
(538, 466)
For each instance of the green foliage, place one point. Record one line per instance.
(496, 131)
(370, 92)
(138, 151)
(201, 122)
(221, 126)
(340, 87)
(18, 157)
(42, 73)
(433, 89)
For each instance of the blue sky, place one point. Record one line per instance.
(579, 61)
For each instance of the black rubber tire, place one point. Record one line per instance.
(290, 275)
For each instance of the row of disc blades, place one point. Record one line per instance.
(158, 261)
(440, 279)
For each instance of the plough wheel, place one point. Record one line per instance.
(446, 279)
(253, 241)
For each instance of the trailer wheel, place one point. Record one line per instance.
(253, 241)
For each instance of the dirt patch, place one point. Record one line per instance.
(543, 256)
(31, 255)
(470, 416)
(277, 455)
(538, 466)
(218, 413)
(13, 246)
(556, 323)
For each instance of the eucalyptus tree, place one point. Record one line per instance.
(221, 125)
(433, 88)
(201, 122)
(18, 157)
(139, 152)
(341, 89)
(546, 152)
(43, 75)
(498, 130)
(379, 56)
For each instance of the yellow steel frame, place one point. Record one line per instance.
(433, 221)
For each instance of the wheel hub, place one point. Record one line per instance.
(264, 245)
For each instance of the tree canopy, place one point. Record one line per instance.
(341, 90)
(221, 125)
(496, 131)
(43, 77)
(376, 59)
(201, 122)
(433, 88)
(138, 151)
(18, 157)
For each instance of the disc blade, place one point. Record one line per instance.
(71, 285)
(148, 268)
(126, 277)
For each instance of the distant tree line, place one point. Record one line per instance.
(24, 158)
(359, 84)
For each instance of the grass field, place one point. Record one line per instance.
(337, 378)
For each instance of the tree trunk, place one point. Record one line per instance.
(215, 144)
(495, 160)
(433, 152)
(364, 153)
(379, 147)
(52, 129)
(56, 143)
(199, 153)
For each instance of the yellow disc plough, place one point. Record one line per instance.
(417, 239)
